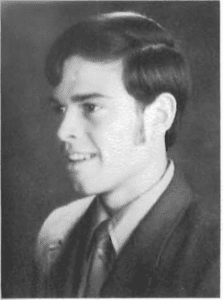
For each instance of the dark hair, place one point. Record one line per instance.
(152, 64)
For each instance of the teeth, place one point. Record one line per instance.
(80, 156)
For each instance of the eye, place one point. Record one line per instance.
(90, 107)
(59, 109)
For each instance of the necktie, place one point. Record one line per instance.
(101, 258)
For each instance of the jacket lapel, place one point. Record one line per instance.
(135, 267)
(65, 275)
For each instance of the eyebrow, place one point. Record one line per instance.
(83, 97)
(78, 97)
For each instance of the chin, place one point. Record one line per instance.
(83, 190)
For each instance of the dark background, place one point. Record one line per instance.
(34, 181)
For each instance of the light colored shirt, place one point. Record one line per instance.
(123, 223)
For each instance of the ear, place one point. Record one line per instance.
(162, 112)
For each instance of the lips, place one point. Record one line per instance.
(78, 156)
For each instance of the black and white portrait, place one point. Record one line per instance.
(111, 149)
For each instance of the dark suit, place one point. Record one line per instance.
(173, 252)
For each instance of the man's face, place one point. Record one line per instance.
(100, 127)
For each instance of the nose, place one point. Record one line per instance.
(71, 126)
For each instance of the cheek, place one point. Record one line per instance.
(117, 140)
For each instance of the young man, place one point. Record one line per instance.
(121, 86)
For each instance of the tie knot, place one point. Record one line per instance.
(101, 232)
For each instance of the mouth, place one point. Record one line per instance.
(80, 157)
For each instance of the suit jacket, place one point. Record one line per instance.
(173, 252)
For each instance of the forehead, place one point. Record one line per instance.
(81, 76)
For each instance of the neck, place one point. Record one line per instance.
(135, 186)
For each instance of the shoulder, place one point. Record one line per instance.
(188, 259)
(199, 225)
(56, 228)
(203, 246)
(203, 215)
(200, 211)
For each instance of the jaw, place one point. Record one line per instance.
(133, 186)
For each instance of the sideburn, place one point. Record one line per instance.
(140, 137)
